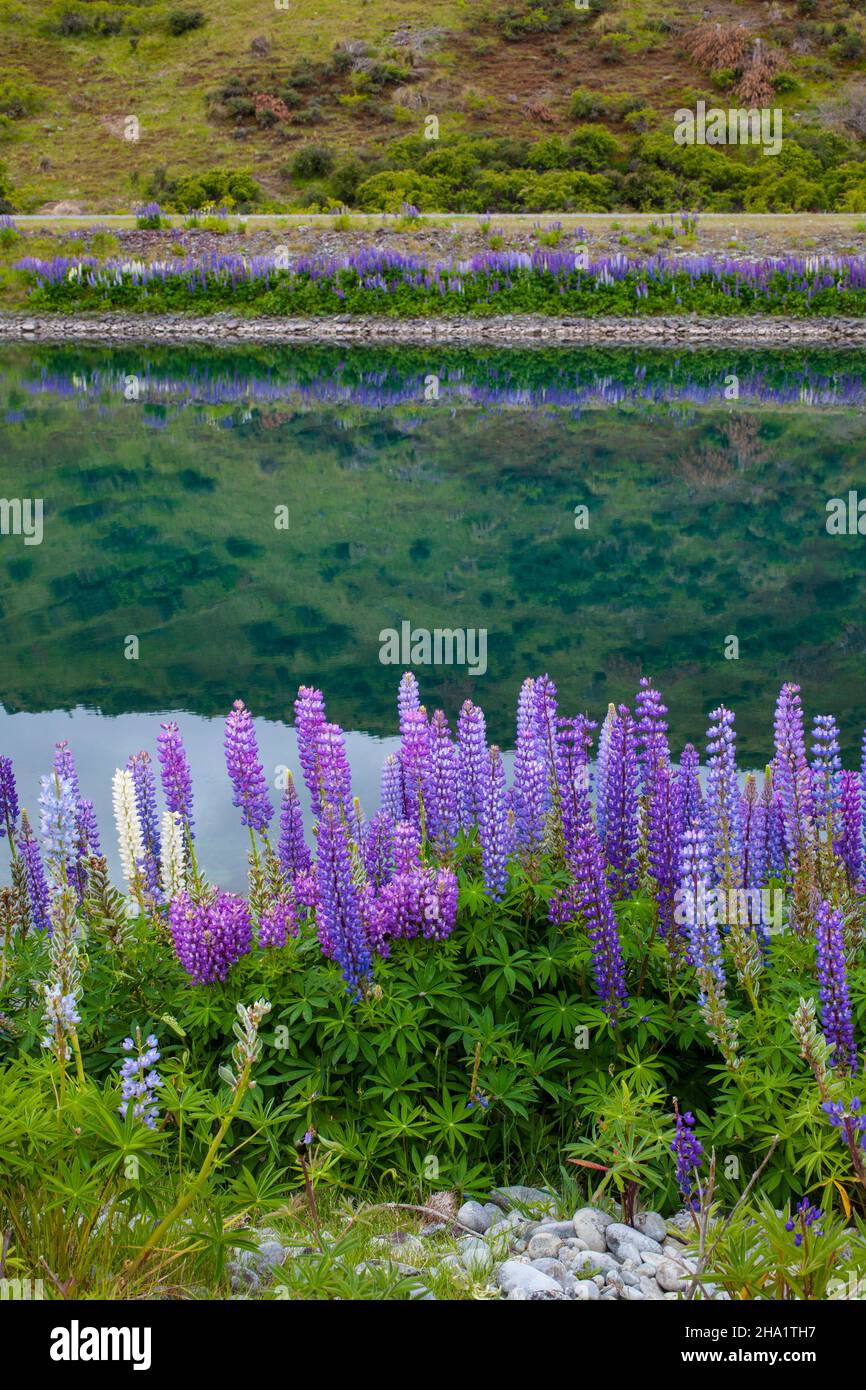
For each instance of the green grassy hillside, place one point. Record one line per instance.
(539, 108)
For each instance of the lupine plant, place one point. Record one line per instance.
(546, 280)
(496, 971)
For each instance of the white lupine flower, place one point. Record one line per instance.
(173, 870)
(129, 837)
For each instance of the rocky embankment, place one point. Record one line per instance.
(510, 328)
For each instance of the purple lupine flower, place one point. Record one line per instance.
(37, 888)
(88, 830)
(602, 769)
(392, 798)
(753, 818)
(415, 762)
(530, 795)
(210, 936)
(406, 843)
(247, 774)
(375, 919)
(791, 774)
(419, 902)
(276, 922)
(472, 760)
(705, 950)
(493, 827)
(408, 697)
(849, 843)
(851, 1121)
(338, 913)
(377, 849)
(139, 1081)
(621, 826)
(175, 774)
(651, 731)
(826, 770)
(836, 1020)
(144, 782)
(309, 719)
(775, 826)
(588, 897)
(688, 1151)
(8, 799)
(442, 786)
(526, 708)
(805, 1217)
(693, 802)
(575, 741)
(546, 725)
(57, 818)
(722, 806)
(335, 776)
(64, 766)
(292, 850)
(664, 838)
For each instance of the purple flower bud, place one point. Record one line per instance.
(247, 775)
(293, 851)
(493, 827)
(175, 774)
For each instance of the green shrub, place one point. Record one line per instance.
(18, 98)
(183, 21)
(68, 20)
(312, 162)
(386, 192)
(565, 191)
(221, 187)
(345, 179)
(586, 105)
(592, 148)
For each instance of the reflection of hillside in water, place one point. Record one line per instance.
(706, 519)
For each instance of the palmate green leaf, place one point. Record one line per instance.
(395, 1076)
(454, 1124)
(507, 971)
(403, 1121)
(555, 1016)
(552, 962)
(508, 1088)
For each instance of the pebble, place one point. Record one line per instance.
(514, 1277)
(669, 1277)
(649, 1223)
(543, 1244)
(589, 1226)
(585, 1291)
(473, 1215)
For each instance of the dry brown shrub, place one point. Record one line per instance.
(755, 87)
(714, 46)
(265, 101)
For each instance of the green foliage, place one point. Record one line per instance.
(183, 21)
(217, 187)
(18, 98)
(312, 162)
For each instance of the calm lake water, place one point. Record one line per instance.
(255, 518)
